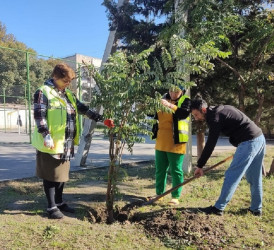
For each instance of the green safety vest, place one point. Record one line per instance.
(56, 121)
(183, 125)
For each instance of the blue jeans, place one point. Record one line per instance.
(248, 161)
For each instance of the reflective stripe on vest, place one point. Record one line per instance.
(56, 121)
(183, 125)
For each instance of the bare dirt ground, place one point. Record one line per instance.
(177, 224)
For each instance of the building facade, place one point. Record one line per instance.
(78, 62)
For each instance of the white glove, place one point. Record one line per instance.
(48, 142)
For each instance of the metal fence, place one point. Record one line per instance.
(22, 72)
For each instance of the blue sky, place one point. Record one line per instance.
(57, 28)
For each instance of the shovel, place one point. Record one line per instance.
(185, 182)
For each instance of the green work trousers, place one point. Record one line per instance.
(165, 161)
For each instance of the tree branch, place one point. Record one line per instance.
(242, 85)
(232, 69)
(258, 57)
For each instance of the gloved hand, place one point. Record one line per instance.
(48, 142)
(109, 123)
(167, 104)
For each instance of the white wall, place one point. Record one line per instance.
(11, 116)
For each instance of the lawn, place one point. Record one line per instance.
(24, 223)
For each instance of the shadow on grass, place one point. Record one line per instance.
(215, 175)
(35, 200)
(81, 202)
(241, 211)
(147, 171)
(138, 216)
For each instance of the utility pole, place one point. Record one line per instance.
(89, 125)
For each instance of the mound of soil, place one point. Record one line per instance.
(186, 227)
(189, 228)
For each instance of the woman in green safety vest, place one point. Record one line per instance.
(56, 132)
(171, 133)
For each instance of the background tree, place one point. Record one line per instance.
(139, 23)
(245, 28)
(13, 67)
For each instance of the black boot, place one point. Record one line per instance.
(210, 210)
(255, 213)
(55, 213)
(65, 208)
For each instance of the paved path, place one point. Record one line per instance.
(17, 156)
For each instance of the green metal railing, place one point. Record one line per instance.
(29, 100)
(27, 91)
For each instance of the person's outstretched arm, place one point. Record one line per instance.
(85, 110)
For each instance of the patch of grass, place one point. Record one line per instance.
(24, 223)
(50, 231)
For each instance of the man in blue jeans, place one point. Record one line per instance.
(248, 158)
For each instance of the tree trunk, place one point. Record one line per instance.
(271, 171)
(110, 192)
(258, 117)
(200, 143)
(114, 154)
(264, 173)
(187, 163)
(242, 98)
(260, 108)
(181, 16)
(111, 181)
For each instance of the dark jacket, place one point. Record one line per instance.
(231, 122)
(180, 114)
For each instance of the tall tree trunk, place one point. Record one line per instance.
(271, 171)
(200, 128)
(260, 97)
(260, 108)
(242, 97)
(89, 125)
(200, 143)
(181, 16)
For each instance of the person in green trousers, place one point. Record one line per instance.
(171, 134)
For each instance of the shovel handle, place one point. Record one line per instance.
(186, 181)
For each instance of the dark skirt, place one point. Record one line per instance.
(51, 169)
